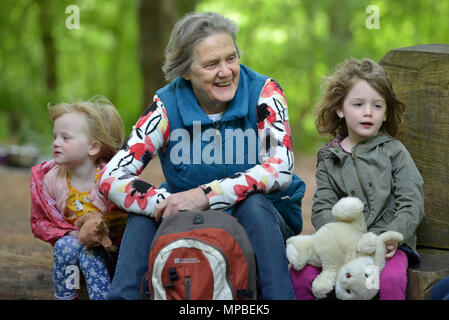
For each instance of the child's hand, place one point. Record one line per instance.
(391, 249)
(74, 233)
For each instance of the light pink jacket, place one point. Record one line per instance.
(49, 192)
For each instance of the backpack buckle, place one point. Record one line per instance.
(198, 219)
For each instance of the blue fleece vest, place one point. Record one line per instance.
(201, 150)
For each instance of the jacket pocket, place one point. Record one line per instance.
(386, 217)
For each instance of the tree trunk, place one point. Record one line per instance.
(157, 18)
(420, 76)
(48, 45)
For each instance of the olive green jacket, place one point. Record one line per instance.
(381, 172)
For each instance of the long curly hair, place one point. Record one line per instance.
(337, 86)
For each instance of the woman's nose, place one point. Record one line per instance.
(224, 71)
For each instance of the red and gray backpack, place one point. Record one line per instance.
(201, 256)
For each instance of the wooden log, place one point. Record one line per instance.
(29, 278)
(23, 277)
(420, 77)
(433, 268)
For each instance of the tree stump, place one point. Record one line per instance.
(420, 77)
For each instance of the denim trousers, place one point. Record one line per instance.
(441, 290)
(69, 255)
(258, 217)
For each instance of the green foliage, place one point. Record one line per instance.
(297, 42)
(101, 57)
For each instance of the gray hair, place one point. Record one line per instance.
(187, 33)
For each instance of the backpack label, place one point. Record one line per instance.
(187, 260)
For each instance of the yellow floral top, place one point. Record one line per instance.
(78, 203)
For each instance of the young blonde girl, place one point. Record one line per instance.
(361, 111)
(85, 136)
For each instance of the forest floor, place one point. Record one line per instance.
(26, 262)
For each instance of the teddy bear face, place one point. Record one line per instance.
(358, 280)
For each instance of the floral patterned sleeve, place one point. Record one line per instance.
(276, 157)
(120, 182)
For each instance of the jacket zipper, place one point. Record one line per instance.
(217, 133)
(187, 284)
(360, 181)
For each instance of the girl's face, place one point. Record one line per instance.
(214, 72)
(71, 145)
(364, 111)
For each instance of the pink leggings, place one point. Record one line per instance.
(392, 283)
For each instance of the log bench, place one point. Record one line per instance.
(29, 278)
(434, 267)
(420, 77)
(25, 278)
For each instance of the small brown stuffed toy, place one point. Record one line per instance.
(93, 231)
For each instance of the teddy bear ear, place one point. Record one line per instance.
(101, 227)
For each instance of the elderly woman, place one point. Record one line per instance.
(222, 134)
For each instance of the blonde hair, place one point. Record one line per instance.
(103, 122)
(337, 87)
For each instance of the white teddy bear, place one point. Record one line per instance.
(335, 245)
(359, 279)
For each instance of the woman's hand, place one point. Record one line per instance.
(391, 249)
(190, 200)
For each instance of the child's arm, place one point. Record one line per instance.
(324, 198)
(45, 229)
(44, 222)
(408, 194)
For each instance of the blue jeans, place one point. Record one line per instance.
(258, 217)
(441, 290)
(69, 254)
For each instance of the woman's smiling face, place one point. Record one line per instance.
(214, 72)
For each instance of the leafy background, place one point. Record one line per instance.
(118, 50)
